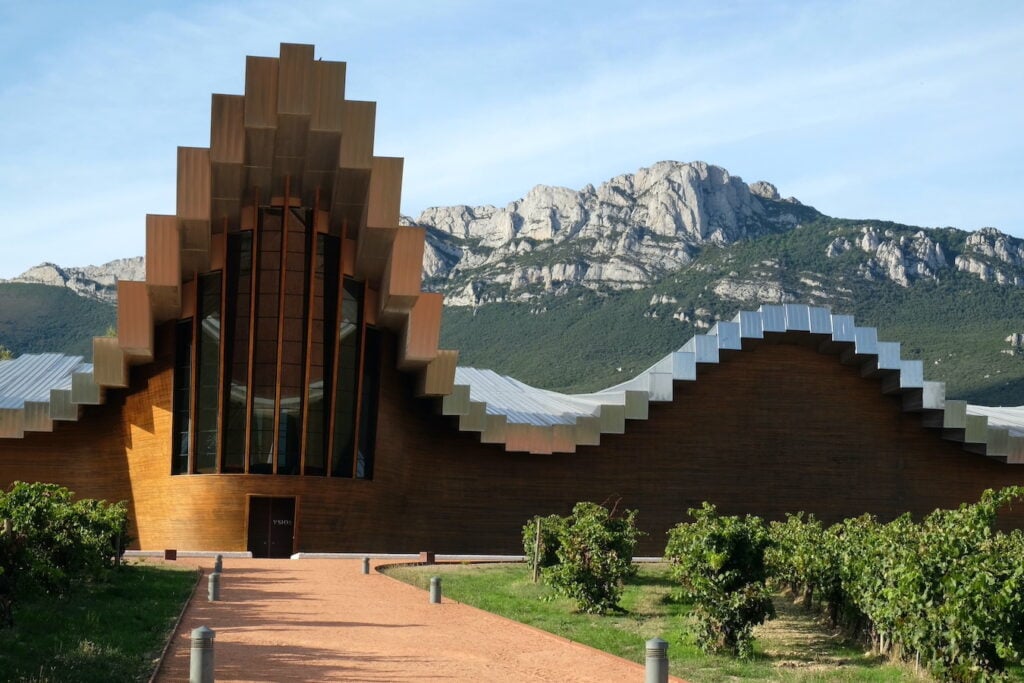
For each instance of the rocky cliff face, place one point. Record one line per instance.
(624, 234)
(92, 282)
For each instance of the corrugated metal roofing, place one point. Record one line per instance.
(31, 377)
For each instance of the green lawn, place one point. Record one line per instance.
(113, 630)
(794, 647)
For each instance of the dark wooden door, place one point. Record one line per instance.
(271, 526)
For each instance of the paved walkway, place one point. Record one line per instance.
(323, 620)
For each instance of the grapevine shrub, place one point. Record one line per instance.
(947, 592)
(547, 554)
(720, 564)
(595, 556)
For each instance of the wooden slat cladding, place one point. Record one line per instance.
(777, 429)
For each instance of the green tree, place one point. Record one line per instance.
(5, 353)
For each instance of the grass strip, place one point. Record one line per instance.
(110, 630)
(796, 648)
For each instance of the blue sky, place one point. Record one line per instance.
(907, 111)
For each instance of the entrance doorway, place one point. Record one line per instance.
(271, 526)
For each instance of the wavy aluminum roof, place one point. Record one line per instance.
(37, 389)
(524, 418)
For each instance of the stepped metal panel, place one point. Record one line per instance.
(798, 318)
(751, 326)
(773, 318)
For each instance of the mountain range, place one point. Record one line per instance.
(577, 289)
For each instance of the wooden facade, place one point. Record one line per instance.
(730, 438)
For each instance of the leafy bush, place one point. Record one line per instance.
(720, 563)
(547, 554)
(595, 555)
(55, 541)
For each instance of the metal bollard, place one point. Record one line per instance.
(201, 663)
(435, 590)
(657, 661)
(213, 587)
(218, 564)
(366, 565)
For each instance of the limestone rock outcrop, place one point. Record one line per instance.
(621, 235)
(93, 282)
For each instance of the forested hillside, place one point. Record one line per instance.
(41, 318)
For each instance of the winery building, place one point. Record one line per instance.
(275, 384)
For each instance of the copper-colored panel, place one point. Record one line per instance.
(372, 251)
(400, 283)
(348, 262)
(296, 89)
(322, 152)
(437, 378)
(227, 129)
(226, 181)
(321, 220)
(247, 217)
(283, 199)
(193, 183)
(290, 141)
(226, 214)
(348, 200)
(134, 321)
(259, 147)
(257, 182)
(385, 192)
(188, 299)
(162, 251)
(288, 171)
(359, 120)
(163, 265)
(317, 184)
(110, 368)
(329, 108)
(422, 331)
(260, 92)
(195, 247)
(218, 250)
(371, 297)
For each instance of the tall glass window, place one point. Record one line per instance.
(347, 388)
(293, 341)
(207, 373)
(321, 354)
(236, 340)
(368, 405)
(264, 370)
(182, 416)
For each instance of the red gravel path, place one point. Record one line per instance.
(323, 620)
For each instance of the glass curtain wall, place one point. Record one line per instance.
(285, 377)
